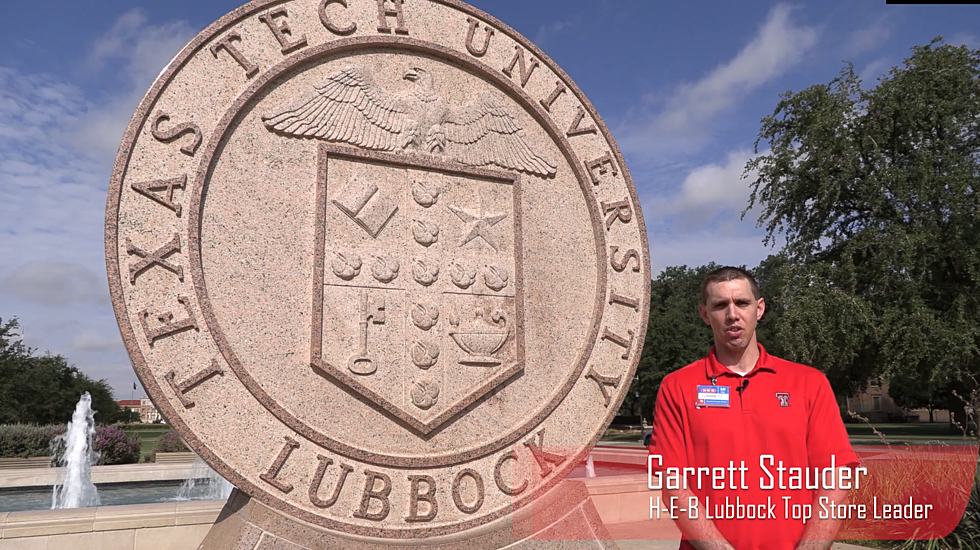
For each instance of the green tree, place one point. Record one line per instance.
(676, 335)
(917, 392)
(44, 389)
(876, 191)
(772, 276)
(814, 321)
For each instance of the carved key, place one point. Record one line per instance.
(372, 310)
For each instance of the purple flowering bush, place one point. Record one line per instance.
(26, 441)
(116, 446)
(170, 443)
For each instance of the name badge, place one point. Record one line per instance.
(713, 396)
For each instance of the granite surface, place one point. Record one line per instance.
(380, 263)
(566, 519)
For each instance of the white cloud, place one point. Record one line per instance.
(682, 123)
(141, 50)
(702, 222)
(869, 38)
(874, 70)
(779, 45)
(56, 151)
(967, 39)
(56, 145)
(547, 32)
(706, 246)
(91, 340)
(53, 197)
(31, 106)
(55, 283)
(708, 191)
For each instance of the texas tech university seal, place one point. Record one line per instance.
(379, 262)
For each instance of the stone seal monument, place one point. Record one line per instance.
(382, 266)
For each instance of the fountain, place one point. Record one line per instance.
(204, 484)
(74, 450)
(590, 467)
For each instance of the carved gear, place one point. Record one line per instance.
(352, 109)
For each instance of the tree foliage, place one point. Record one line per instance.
(44, 389)
(676, 335)
(918, 391)
(876, 191)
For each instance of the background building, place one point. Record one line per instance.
(876, 405)
(148, 413)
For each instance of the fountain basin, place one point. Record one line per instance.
(620, 500)
(123, 473)
(111, 494)
(184, 524)
(135, 527)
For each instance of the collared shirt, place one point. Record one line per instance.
(783, 409)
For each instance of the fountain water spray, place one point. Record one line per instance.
(204, 484)
(74, 450)
(590, 467)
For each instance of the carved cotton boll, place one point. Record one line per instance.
(462, 276)
(346, 266)
(498, 316)
(425, 393)
(425, 274)
(495, 277)
(425, 195)
(425, 316)
(385, 270)
(424, 354)
(426, 234)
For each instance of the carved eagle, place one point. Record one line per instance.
(351, 108)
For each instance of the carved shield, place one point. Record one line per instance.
(418, 289)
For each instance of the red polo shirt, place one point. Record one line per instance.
(787, 410)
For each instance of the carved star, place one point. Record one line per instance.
(481, 223)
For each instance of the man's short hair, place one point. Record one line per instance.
(728, 273)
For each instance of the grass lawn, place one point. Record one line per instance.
(149, 434)
(908, 428)
(912, 431)
(613, 434)
(634, 437)
(895, 433)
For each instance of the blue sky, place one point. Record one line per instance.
(682, 86)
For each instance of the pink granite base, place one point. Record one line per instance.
(564, 519)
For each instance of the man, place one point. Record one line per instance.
(736, 405)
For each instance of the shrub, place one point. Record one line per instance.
(170, 443)
(967, 532)
(116, 446)
(27, 441)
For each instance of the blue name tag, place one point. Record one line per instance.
(713, 396)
